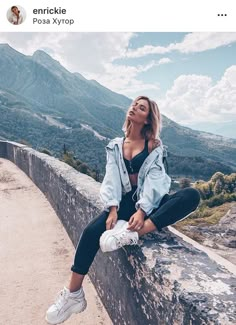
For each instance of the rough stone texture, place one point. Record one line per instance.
(165, 280)
(220, 237)
(3, 152)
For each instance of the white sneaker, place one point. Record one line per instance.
(119, 224)
(118, 237)
(65, 305)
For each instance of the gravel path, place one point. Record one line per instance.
(36, 255)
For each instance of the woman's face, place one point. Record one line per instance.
(15, 10)
(138, 111)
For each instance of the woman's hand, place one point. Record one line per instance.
(111, 220)
(136, 221)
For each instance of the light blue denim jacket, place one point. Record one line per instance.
(153, 182)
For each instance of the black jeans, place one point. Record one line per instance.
(171, 209)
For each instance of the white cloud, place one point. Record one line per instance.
(194, 98)
(193, 42)
(124, 78)
(82, 50)
(78, 52)
(164, 61)
(146, 50)
(199, 42)
(28, 43)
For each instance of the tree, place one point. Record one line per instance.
(217, 176)
(64, 149)
(83, 168)
(97, 173)
(46, 151)
(184, 182)
(68, 159)
(218, 187)
(205, 189)
(25, 142)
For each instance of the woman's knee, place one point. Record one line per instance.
(95, 227)
(88, 231)
(192, 195)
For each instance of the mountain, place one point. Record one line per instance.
(184, 141)
(44, 80)
(75, 81)
(226, 129)
(46, 105)
(20, 122)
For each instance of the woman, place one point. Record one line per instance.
(16, 18)
(136, 200)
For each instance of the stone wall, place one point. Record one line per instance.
(165, 280)
(3, 152)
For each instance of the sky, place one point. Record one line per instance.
(192, 76)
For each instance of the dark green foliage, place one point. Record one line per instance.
(218, 190)
(34, 132)
(220, 199)
(83, 168)
(47, 152)
(195, 167)
(184, 182)
(69, 158)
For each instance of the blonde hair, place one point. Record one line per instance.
(152, 129)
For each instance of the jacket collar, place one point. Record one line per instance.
(115, 141)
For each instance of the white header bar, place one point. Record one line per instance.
(119, 16)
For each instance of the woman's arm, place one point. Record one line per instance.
(111, 189)
(156, 185)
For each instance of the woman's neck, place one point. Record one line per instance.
(135, 134)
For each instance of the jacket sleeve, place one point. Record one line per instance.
(111, 189)
(156, 185)
(11, 20)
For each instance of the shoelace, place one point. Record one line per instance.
(123, 240)
(60, 296)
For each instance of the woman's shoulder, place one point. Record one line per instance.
(114, 141)
(153, 144)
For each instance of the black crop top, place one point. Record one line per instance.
(136, 162)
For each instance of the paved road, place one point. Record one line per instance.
(35, 255)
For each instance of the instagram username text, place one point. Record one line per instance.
(52, 20)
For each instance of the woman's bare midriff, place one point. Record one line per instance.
(133, 179)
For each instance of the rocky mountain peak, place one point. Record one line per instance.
(42, 54)
(45, 59)
(6, 49)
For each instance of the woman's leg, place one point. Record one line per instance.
(72, 299)
(89, 241)
(76, 281)
(172, 208)
(88, 244)
(86, 250)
